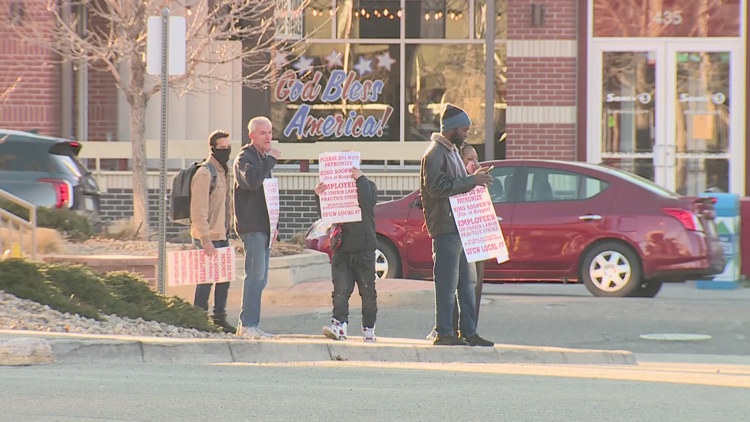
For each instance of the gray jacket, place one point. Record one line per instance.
(441, 175)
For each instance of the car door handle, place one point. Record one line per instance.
(590, 217)
(499, 219)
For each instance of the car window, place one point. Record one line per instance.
(501, 186)
(23, 156)
(544, 184)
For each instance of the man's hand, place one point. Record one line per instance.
(208, 246)
(320, 188)
(481, 177)
(273, 152)
(356, 173)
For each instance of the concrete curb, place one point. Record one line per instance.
(72, 348)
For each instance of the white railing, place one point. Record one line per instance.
(13, 229)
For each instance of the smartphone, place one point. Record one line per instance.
(488, 169)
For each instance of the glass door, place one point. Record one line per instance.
(663, 110)
(701, 117)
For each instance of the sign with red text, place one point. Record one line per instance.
(339, 203)
(478, 227)
(271, 190)
(195, 267)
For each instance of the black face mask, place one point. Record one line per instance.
(221, 155)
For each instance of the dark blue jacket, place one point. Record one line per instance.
(250, 210)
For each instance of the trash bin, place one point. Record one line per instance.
(728, 227)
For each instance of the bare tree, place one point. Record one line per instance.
(111, 35)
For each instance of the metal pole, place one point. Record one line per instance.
(162, 224)
(489, 83)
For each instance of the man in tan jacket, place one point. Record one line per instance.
(209, 219)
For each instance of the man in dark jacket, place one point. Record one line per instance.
(251, 167)
(443, 174)
(354, 261)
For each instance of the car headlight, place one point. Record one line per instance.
(318, 229)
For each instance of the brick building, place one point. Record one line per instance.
(659, 91)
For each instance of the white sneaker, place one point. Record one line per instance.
(336, 331)
(432, 335)
(369, 334)
(265, 334)
(253, 333)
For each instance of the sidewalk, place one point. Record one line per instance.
(31, 347)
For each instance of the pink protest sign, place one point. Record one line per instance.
(338, 203)
(478, 227)
(195, 267)
(271, 189)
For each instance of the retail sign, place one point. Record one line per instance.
(667, 18)
(344, 93)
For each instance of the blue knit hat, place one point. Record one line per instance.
(453, 117)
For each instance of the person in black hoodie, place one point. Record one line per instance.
(353, 261)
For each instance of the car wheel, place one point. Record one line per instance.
(649, 288)
(611, 269)
(387, 261)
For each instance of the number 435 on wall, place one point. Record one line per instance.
(668, 17)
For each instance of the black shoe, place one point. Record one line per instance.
(475, 340)
(449, 341)
(221, 321)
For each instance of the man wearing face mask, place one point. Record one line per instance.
(443, 174)
(209, 219)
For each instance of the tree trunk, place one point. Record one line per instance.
(138, 100)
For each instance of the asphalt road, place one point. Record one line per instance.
(569, 316)
(339, 392)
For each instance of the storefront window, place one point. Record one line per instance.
(368, 19)
(437, 19)
(501, 19)
(439, 74)
(338, 92)
(319, 19)
(671, 18)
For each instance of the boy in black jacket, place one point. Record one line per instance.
(354, 261)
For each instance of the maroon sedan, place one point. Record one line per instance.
(570, 222)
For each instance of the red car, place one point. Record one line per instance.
(570, 222)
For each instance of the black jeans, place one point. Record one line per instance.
(202, 291)
(350, 268)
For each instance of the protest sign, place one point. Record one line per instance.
(271, 189)
(195, 267)
(338, 203)
(478, 227)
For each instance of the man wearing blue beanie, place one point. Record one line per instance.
(442, 174)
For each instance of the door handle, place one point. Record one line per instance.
(590, 217)
(499, 219)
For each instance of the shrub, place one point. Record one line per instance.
(78, 289)
(76, 226)
(30, 281)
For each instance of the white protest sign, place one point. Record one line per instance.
(271, 189)
(478, 227)
(339, 203)
(195, 267)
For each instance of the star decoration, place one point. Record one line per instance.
(363, 66)
(303, 65)
(385, 61)
(280, 58)
(334, 59)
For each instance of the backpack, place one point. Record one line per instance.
(180, 195)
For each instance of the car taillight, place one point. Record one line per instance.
(63, 192)
(687, 218)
